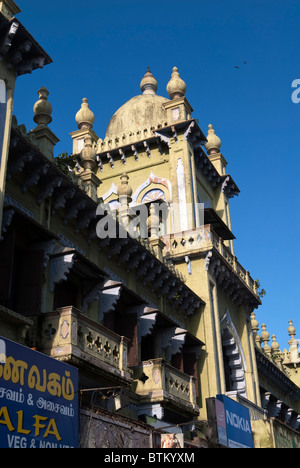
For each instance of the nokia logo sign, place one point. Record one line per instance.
(238, 422)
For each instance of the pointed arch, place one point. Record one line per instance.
(155, 180)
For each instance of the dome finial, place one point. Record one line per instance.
(42, 108)
(214, 143)
(148, 83)
(176, 87)
(85, 118)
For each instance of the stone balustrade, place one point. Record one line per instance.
(157, 380)
(67, 334)
(205, 239)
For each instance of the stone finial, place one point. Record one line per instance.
(213, 144)
(45, 138)
(176, 87)
(124, 190)
(88, 155)
(265, 338)
(292, 332)
(274, 345)
(148, 84)
(85, 118)
(255, 328)
(42, 109)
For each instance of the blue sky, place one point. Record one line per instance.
(101, 51)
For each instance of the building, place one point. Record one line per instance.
(120, 261)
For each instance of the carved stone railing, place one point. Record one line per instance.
(205, 239)
(156, 380)
(67, 334)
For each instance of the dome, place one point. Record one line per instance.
(143, 111)
(138, 113)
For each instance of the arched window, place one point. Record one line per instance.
(154, 195)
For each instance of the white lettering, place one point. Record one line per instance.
(295, 97)
(16, 441)
(238, 422)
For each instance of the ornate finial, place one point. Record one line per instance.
(274, 345)
(292, 332)
(42, 109)
(255, 328)
(176, 87)
(265, 338)
(148, 83)
(213, 144)
(124, 190)
(85, 118)
(88, 155)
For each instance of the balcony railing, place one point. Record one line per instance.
(202, 239)
(66, 333)
(158, 381)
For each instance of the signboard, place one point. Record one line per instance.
(221, 422)
(38, 399)
(238, 425)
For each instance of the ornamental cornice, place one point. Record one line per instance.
(219, 262)
(21, 51)
(273, 374)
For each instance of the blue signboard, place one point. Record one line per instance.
(238, 424)
(38, 399)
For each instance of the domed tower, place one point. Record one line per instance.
(143, 136)
(140, 115)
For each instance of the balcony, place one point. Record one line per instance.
(205, 239)
(156, 381)
(68, 335)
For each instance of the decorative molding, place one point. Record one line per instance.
(183, 216)
(17, 164)
(48, 188)
(34, 175)
(109, 297)
(91, 296)
(113, 190)
(146, 323)
(178, 341)
(164, 138)
(11, 201)
(47, 247)
(60, 267)
(61, 196)
(233, 331)
(155, 180)
(147, 148)
(207, 260)
(7, 41)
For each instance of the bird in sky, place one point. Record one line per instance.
(245, 63)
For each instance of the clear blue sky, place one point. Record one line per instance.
(101, 50)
